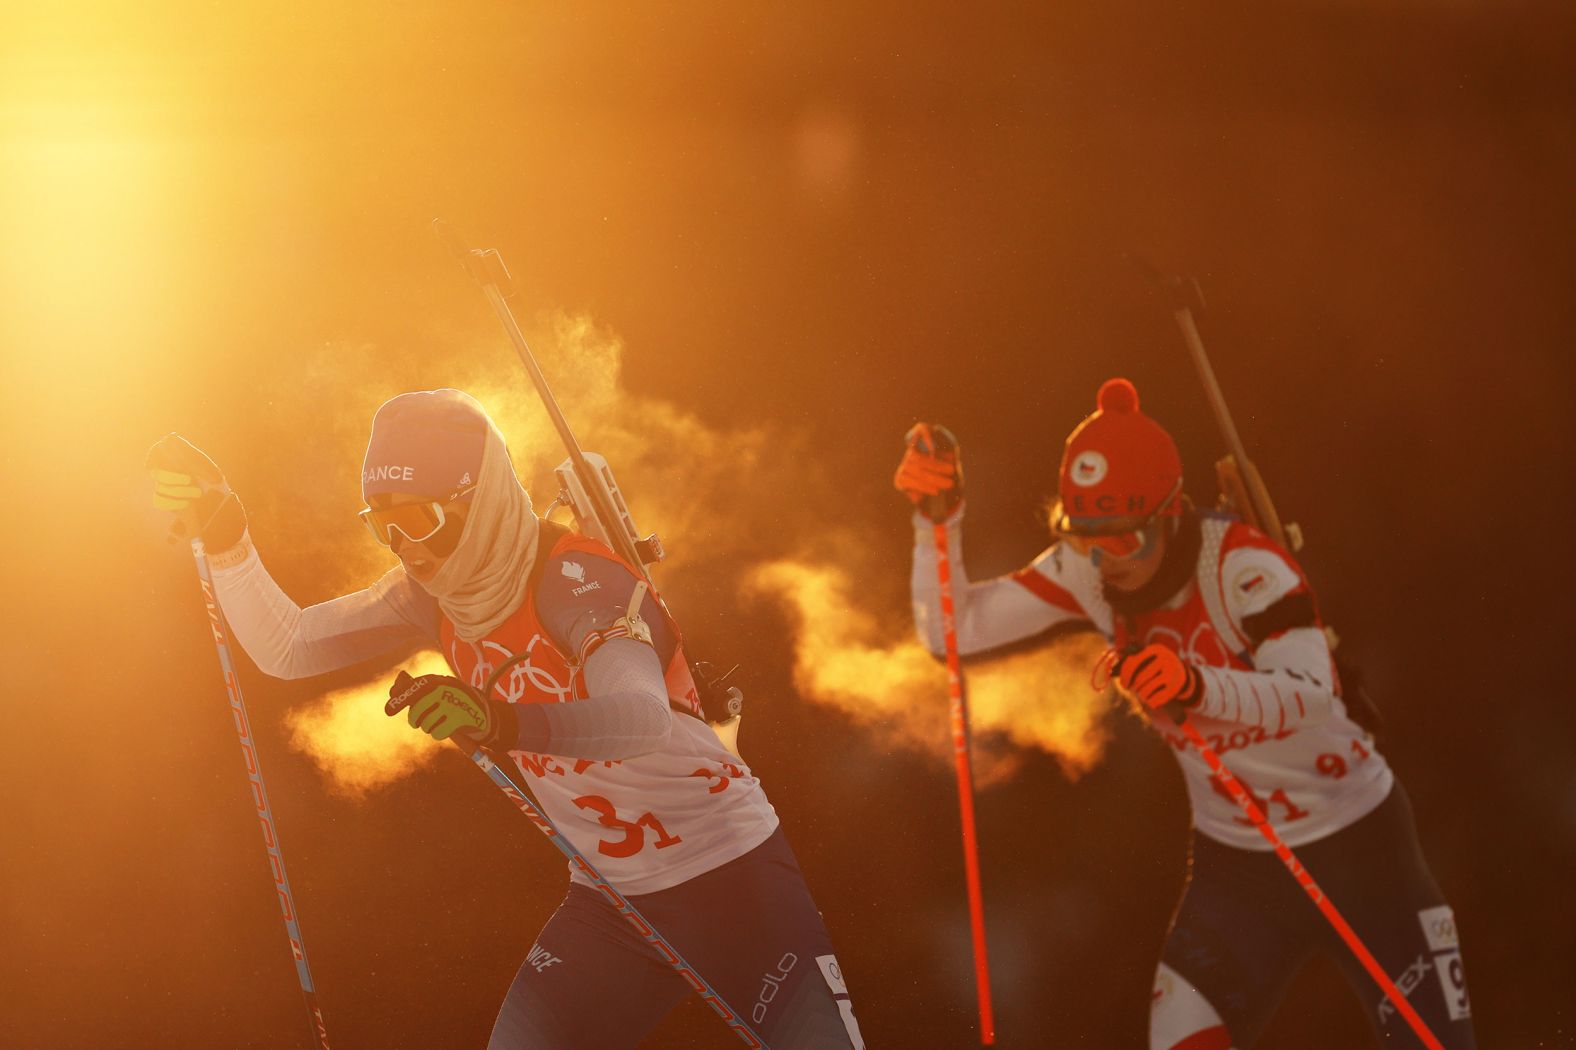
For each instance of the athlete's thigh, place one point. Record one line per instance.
(1382, 885)
(751, 928)
(588, 982)
(1236, 942)
(1415, 943)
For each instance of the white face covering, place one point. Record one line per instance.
(484, 580)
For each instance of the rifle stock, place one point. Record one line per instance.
(1243, 489)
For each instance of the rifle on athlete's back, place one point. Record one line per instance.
(586, 483)
(1242, 488)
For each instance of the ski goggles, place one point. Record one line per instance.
(1117, 545)
(417, 522)
(1126, 540)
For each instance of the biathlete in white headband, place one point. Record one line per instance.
(596, 706)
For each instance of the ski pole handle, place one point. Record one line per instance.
(943, 443)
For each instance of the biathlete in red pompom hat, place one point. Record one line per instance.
(1217, 626)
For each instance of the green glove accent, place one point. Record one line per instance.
(174, 492)
(190, 485)
(441, 706)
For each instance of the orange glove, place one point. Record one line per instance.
(1156, 677)
(930, 474)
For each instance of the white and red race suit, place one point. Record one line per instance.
(1245, 617)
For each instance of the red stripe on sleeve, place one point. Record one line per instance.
(1048, 592)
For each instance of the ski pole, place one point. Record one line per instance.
(960, 753)
(1305, 880)
(521, 798)
(265, 815)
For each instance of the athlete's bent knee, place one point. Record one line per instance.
(1180, 1018)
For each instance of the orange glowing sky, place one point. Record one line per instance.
(754, 246)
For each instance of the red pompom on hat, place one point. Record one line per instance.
(1117, 395)
(1119, 467)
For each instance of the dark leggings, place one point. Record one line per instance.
(748, 927)
(1244, 928)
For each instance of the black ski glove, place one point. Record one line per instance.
(192, 487)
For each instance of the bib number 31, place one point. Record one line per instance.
(633, 832)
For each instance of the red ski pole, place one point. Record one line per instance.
(960, 751)
(1305, 880)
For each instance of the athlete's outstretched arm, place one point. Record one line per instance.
(281, 638)
(990, 613)
(287, 641)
